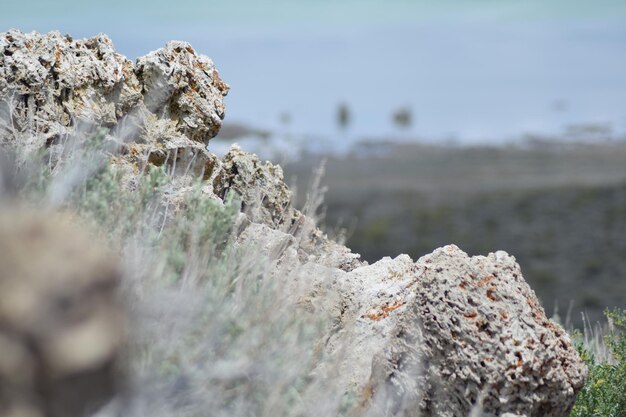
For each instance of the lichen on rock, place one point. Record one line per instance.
(436, 337)
(51, 85)
(488, 339)
(449, 333)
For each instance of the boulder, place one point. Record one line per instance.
(444, 336)
(52, 86)
(447, 335)
(48, 83)
(62, 323)
(185, 87)
(487, 339)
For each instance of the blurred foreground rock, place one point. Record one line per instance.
(61, 327)
(444, 336)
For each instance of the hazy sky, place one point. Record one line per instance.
(475, 70)
(342, 11)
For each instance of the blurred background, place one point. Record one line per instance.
(491, 125)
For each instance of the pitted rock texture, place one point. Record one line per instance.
(261, 187)
(61, 323)
(50, 83)
(267, 200)
(186, 87)
(464, 331)
(162, 111)
(426, 338)
(446, 336)
(487, 337)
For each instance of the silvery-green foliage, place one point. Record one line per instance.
(212, 332)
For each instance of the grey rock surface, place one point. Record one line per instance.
(184, 86)
(450, 333)
(267, 200)
(487, 338)
(160, 111)
(51, 84)
(437, 337)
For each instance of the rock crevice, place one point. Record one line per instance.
(434, 337)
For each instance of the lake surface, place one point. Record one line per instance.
(483, 73)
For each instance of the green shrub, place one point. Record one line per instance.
(604, 394)
(213, 330)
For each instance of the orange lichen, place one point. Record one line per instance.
(397, 304)
(471, 314)
(485, 280)
(221, 85)
(378, 314)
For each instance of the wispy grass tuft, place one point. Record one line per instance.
(214, 330)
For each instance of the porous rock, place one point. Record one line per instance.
(437, 337)
(186, 86)
(449, 334)
(260, 186)
(267, 200)
(50, 84)
(487, 339)
(160, 111)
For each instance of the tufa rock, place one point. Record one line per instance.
(444, 336)
(50, 82)
(448, 334)
(184, 86)
(52, 85)
(488, 340)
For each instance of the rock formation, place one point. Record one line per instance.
(437, 337)
(484, 339)
(52, 85)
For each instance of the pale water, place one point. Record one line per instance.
(480, 71)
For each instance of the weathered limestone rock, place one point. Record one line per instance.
(487, 339)
(50, 84)
(442, 336)
(449, 333)
(61, 322)
(267, 200)
(185, 86)
(161, 111)
(265, 196)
